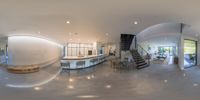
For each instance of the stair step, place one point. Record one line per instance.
(140, 64)
(141, 67)
(138, 59)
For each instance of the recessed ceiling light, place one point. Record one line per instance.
(71, 80)
(39, 32)
(108, 86)
(92, 76)
(37, 88)
(68, 22)
(195, 84)
(71, 87)
(88, 96)
(165, 81)
(88, 77)
(135, 22)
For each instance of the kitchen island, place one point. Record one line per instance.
(82, 62)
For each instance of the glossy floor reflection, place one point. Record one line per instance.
(157, 82)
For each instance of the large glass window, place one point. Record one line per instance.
(78, 49)
(190, 53)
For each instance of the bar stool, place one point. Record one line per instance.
(80, 64)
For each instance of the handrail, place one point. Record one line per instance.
(147, 56)
(142, 48)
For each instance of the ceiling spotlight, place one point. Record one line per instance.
(88, 96)
(135, 22)
(184, 75)
(71, 80)
(92, 76)
(37, 88)
(195, 84)
(108, 86)
(70, 87)
(68, 22)
(88, 77)
(165, 81)
(39, 32)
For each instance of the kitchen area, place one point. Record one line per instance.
(83, 55)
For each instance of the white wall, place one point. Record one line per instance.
(26, 50)
(159, 30)
(181, 52)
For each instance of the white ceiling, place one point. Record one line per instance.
(92, 19)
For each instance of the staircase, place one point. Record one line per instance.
(138, 53)
(139, 60)
(126, 41)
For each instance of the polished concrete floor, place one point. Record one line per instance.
(157, 82)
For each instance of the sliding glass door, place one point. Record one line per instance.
(190, 53)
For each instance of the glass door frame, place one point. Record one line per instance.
(196, 46)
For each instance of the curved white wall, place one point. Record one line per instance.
(159, 30)
(26, 50)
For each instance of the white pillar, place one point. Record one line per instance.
(181, 52)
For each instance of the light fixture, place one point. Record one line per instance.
(135, 22)
(106, 34)
(88, 77)
(165, 81)
(37, 88)
(39, 32)
(92, 76)
(68, 22)
(71, 80)
(87, 96)
(108, 86)
(71, 87)
(195, 84)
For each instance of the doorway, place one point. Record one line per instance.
(190, 53)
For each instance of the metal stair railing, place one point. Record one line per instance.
(144, 53)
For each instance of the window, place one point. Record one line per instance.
(78, 49)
